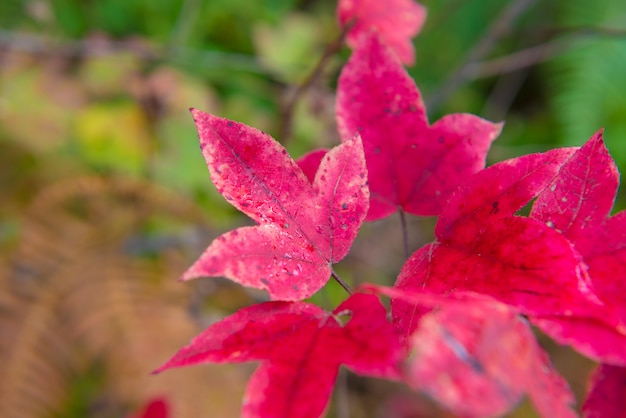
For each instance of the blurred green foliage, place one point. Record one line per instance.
(103, 87)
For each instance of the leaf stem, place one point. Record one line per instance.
(405, 233)
(340, 281)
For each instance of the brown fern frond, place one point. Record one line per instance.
(79, 291)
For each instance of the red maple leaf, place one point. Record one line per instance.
(483, 247)
(303, 227)
(413, 166)
(301, 348)
(607, 393)
(310, 162)
(578, 205)
(396, 22)
(478, 357)
(155, 408)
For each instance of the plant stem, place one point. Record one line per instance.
(340, 281)
(500, 26)
(296, 93)
(343, 401)
(405, 233)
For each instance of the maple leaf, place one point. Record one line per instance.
(310, 162)
(413, 166)
(301, 348)
(472, 349)
(606, 394)
(578, 204)
(156, 408)
(479, 358)
(396, 22)
(303, 227)
(481, 246)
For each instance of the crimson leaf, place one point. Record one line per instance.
(301, 348)
(303, 227)
(310, 162)
(578, 204)
(482, 247)
(478, 357)
(413, 166)
(396, 21)
(465, 355)
(607, 392)
(156, 408)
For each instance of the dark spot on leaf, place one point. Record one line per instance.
(494, 208)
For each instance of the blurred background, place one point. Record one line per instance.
(105, 198)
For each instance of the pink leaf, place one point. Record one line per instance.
(310, 162)
(583, 194)
(594, 338)
(156, 408)
(481, 247)
(396, 22)
(301, 348)
(603, 248)
(412, 166)
(303, 227)
(577, 204)
(607, 393)
(478, 357)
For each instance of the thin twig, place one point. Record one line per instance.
(39, 45)
(343, 396)
(503, 93)
(184, 23)
(539, 53)
(297, 92)
(517, 60)
(500, 26)
(405, 233)
(340, 281)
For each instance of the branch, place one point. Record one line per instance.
(297, 92)
(39, 45)
(540, 53)
(500, 26)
